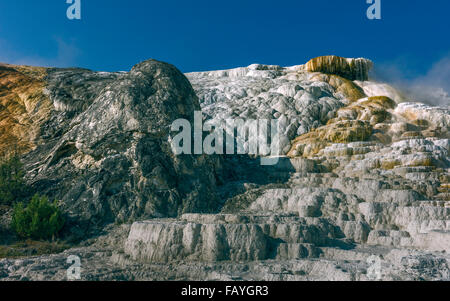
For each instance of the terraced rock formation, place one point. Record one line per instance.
(362, 176)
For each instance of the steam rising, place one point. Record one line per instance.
(433, 88)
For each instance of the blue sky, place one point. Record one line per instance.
(196, 35)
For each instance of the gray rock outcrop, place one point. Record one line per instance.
(360, 177)
(105, 150)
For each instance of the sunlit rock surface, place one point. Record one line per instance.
(362, 172)
(99, 142)
(352, 69)
(23, 107)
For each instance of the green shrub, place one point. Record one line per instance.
(12, 184)
(39, 220)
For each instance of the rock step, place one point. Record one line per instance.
(444, 188)
(308, 201)
(385, 215)
(287, 164)
(161, 241)
(421, 175)
(289, 251)
(306, 176)
(432, 203)
(345, 151)
(357, 254)
(435, 240)
(390, 238)
(244, 217)
(312, 179)
(444, 197)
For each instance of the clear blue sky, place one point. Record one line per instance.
(197, 35)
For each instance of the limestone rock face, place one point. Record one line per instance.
(351, 179)
(352, 69)
(256, 92)
(23, 107)
(344, 131)
(361, 174)
(164, 242)
(104, 146)
(343, 86)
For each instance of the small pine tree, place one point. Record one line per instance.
(39, 220)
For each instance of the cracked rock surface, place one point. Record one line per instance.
(360, 191)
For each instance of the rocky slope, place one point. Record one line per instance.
(98, 142)
(361, 173)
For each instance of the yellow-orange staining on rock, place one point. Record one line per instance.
(380, 101)
(363, 120)
(390, 164)
(412, 134)
(23, 107)
(347, 88)
(382, 138)
(352, 69)
(343, 131)
(421, 123)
